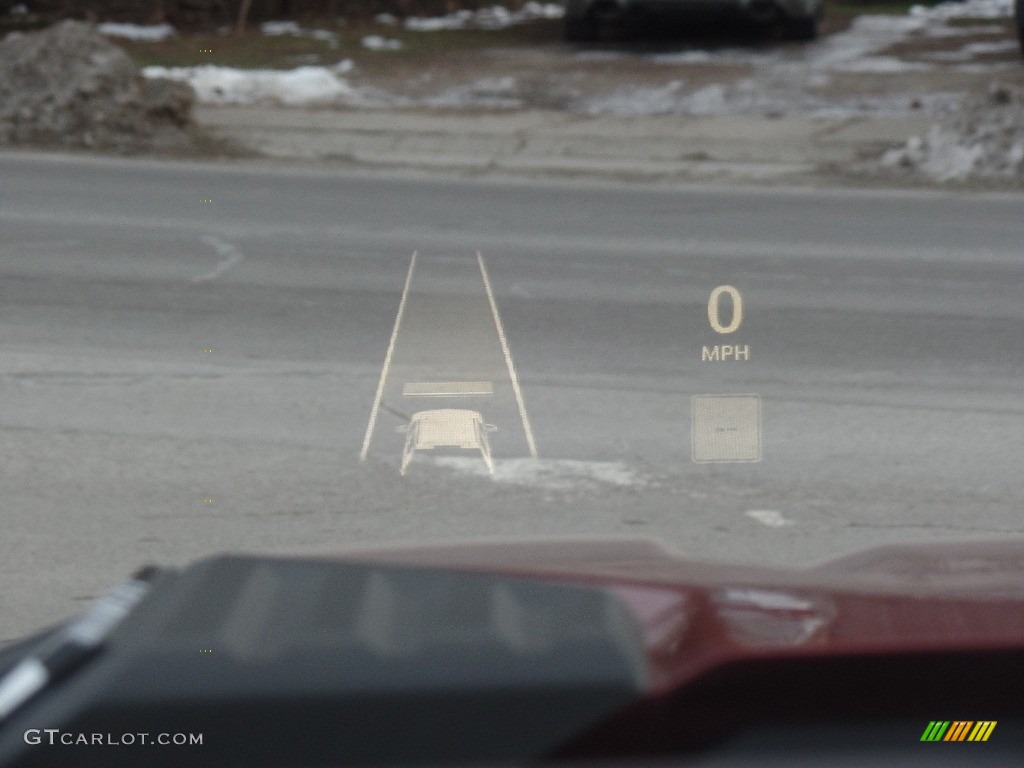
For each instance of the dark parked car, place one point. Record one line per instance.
(589, 19)
(1020, 23)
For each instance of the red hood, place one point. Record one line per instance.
(895, 600)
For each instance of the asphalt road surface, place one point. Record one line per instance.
(190, 355)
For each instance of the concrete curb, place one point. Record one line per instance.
(538, 142)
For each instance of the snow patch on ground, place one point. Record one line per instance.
(761, 95)
(275, 28)
(969, 9)
(683, 57)
(769, 517)
(492, 17)
(883, 65)
(652, 101)
(944, 30)
(378, 43)
(487, 92)
(968, 52)
(550, 474)
(294, 87)
(279, 28)
(865, 36)
(151, 33)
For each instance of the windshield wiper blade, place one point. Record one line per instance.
(73, 645)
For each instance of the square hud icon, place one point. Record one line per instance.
(726, 428)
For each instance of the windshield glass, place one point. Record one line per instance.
(367, 278)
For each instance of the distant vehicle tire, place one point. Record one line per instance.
(805, 29)
(580, 29)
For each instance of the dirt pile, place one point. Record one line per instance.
(982, 140)
(67, 86)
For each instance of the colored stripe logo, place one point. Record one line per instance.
(958, 730)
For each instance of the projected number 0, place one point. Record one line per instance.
(714, 309)
(726, 427)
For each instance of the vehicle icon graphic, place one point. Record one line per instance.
(446, 428)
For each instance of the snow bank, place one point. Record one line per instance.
(69, 86)
(983, 140)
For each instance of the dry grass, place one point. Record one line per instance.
(254, 50)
